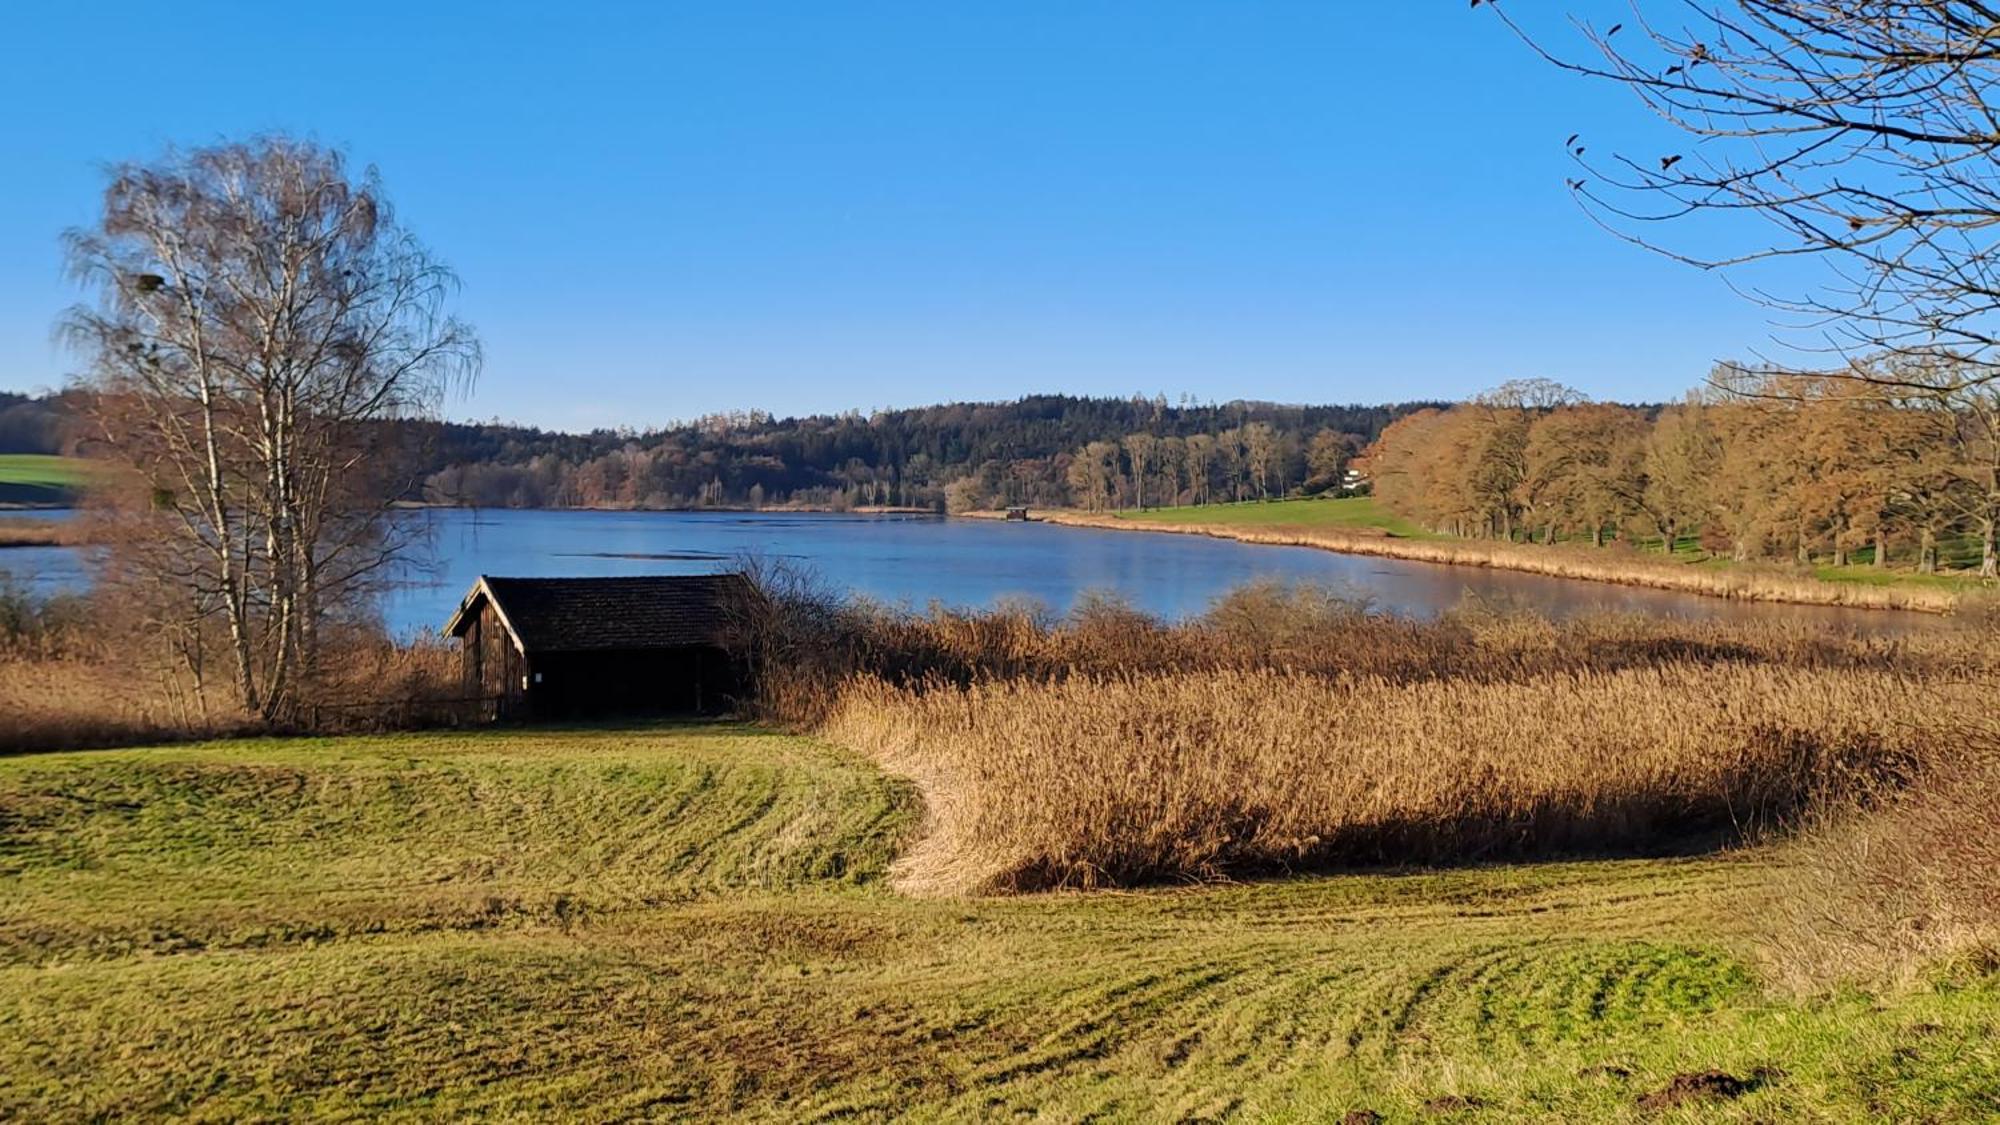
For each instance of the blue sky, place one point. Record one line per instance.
(662, 210)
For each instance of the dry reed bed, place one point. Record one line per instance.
(70, 702)
(68, 693)
(821, 642)
(15, 532)
(1911, 880)
(1096, 781)
(1561, 562)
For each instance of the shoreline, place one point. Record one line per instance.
(1550, 562)
(19, 532)
(726, 509)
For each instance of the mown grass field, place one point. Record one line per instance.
(1348, 513)
(42, 469)
(36, 478)
(693, 922)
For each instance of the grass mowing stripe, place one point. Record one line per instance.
(44, 470)
(370, 927)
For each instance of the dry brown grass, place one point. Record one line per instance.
(1621, 567)
(72, 702)
(816, 643)
(61, 688)
(74, 674)
(18, 532)
(1885, 886)
(77, 699)
(374, 684)
(1288, 729)
(1096, 781)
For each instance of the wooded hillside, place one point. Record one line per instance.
(1022, 452)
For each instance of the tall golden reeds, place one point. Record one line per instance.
(812, 646)
(1291, 728)
(74, 673)
(1889, 881)
(17, 532)
(1127, 779)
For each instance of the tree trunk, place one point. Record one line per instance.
(1989, 548)
(1927, 552)
(1881, 547)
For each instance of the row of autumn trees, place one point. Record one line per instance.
(1255, 461)
(1894, 464)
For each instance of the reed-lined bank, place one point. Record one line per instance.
(19, 532)
(1287, 730)
(1148, 778)
(1737, 583)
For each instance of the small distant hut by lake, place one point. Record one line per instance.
(1017, 512)
(582, 648)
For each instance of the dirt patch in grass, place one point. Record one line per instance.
(1702, 1086)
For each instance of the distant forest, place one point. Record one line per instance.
(1044, 450)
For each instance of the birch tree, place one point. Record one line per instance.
(1140, 450)
(262, 320)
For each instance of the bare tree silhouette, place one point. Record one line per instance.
(262, 322)
(1863, 136)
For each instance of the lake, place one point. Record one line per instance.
(916, 560)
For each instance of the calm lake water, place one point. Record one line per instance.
(917, 560)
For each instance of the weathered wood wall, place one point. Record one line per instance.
(493, 666)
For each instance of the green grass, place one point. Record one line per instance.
(1870, 576)
(43, 470)
(1363, 515)
(39, 479)
(693, 922)
(1351, 513)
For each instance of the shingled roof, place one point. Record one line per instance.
(594, 614)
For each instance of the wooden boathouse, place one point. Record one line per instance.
(582, 648)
